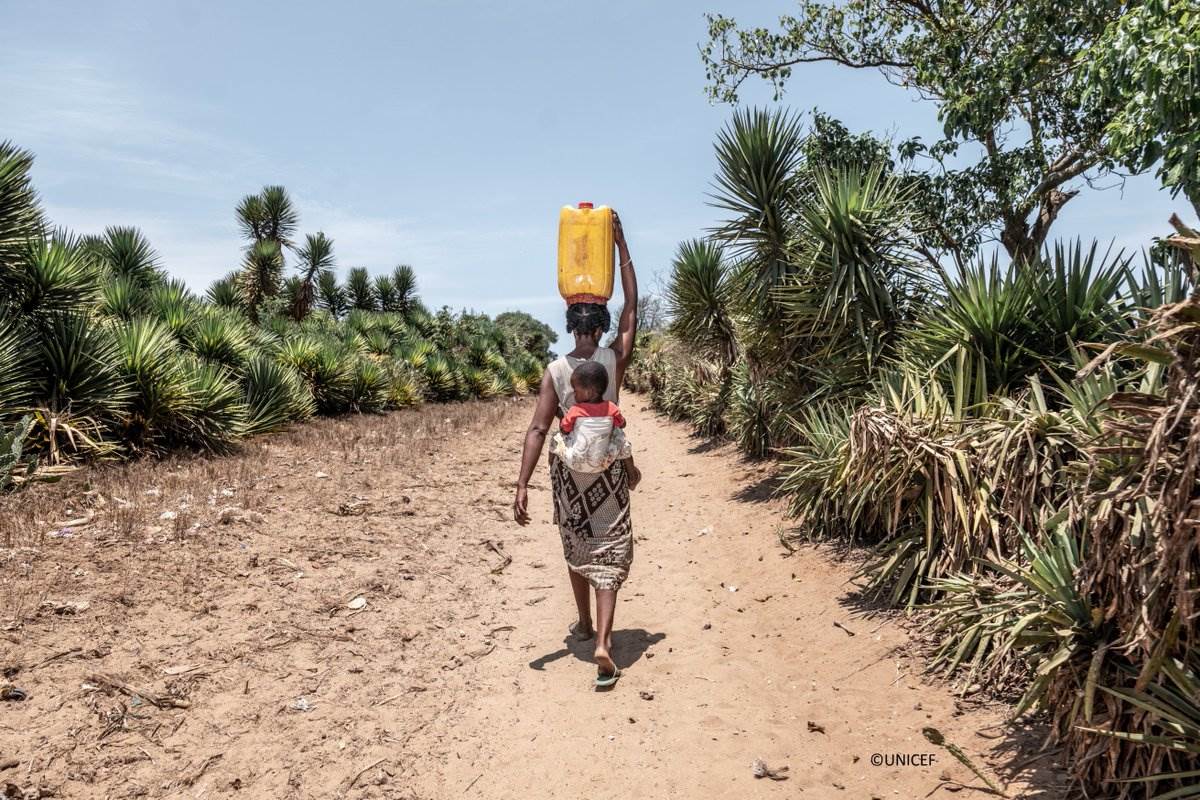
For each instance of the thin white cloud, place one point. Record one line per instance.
(65, 103)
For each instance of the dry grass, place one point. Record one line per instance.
(175, 502)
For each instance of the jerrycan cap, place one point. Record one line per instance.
(586, 205)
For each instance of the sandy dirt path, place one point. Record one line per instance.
(324, 615)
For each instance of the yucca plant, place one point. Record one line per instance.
(221, 337)
(858, 277)
(812, 473)
(368, 386)
(226, 292)
(478, 382)
(79, 391)
(1026, 622)
(754, 412)
(49, 276)
(404, 385)
(385, 293)
(21, 219)
(122, 299)
(404, 281)
(125, 253)
(275, 396)
(699, 300)
(151, 362)
(18, 349)
(316, 261)
(216, 413)
(1164, 754)
(1013, 322)
(261, 276)
(268, 216)
(360, 290)
(331, 296)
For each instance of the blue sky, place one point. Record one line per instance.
(441, 133)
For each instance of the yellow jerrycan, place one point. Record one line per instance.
(585, 254)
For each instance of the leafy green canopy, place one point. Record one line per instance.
(1024, 111)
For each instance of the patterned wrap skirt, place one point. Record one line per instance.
(591, 510)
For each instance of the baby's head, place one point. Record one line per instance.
(589, 381)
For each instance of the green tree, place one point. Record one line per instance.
(531, 334)
(316, 259)
(1142, 79)
(1003, 75)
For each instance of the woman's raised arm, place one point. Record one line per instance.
(627, 326)
(535, 439)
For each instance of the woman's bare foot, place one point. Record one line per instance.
(604, 661)
(582, 631)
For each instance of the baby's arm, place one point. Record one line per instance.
(568, 422)
(618, 418)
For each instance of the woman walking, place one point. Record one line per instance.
(590, 508)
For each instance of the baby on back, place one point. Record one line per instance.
(591, 436)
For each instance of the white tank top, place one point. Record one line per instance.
(562, 367)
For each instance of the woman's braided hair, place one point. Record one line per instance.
(588, 318)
